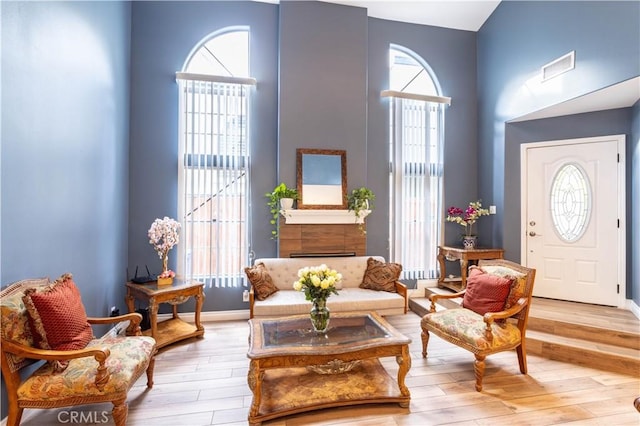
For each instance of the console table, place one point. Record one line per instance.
(174, 329)
(464, 256)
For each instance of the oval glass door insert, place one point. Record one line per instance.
(570, 202)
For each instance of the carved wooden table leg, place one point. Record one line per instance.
(254, 380)
(199, 302)
(153, 317)
(404, 363)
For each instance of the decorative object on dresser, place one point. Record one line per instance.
(359, 201)
(467, 218)
(368, 284)
(318, 283)
(281, 198)
(163, 235)
(493, 317)
(80, 369)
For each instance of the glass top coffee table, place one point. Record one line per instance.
(294, 369)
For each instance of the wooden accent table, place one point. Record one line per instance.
(464, 256)
(293, 369)
(174, 329)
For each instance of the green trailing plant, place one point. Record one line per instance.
(279, 192)
(359, 200)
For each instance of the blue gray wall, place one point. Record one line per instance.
(65, 141)
(519, 38)
(64, 146)
(163, 35)
(633, 186)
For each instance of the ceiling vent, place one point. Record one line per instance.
(559, 66)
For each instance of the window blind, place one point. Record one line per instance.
(213, 179)
(416, 185)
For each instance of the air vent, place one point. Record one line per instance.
(559, 66)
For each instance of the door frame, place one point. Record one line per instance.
(621, 190)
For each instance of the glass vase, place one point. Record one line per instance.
(320, 315)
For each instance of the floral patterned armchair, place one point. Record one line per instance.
(100, 370)
(493, 315)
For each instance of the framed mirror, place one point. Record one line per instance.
(321, 177)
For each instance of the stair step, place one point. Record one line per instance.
(583, 352)
(601, 335)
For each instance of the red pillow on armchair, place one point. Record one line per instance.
(485, 292)
(57, 317)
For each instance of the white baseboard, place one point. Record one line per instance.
(633, 307)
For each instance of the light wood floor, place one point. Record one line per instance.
(203, 382)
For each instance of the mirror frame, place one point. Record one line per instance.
(343, 168)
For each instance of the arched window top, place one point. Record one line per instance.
(410, 77)
(409, 73)
(223, 53)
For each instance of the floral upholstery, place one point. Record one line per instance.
(128, 360)
(14, 319)
(467, 329)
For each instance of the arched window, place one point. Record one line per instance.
(214, 160)
(415, 150)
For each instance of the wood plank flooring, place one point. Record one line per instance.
(203, 382)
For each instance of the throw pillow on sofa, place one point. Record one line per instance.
(261, 281)
(381, 276)
(485, 292)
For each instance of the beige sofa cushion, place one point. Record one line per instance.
(284, 271)
(285, 303)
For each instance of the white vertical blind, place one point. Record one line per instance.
(416, 185)
(213, 180)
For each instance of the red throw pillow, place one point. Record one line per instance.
(381, 276)
(485, 292)
(57, 317)
(260, 280)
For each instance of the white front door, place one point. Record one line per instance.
(572, 212)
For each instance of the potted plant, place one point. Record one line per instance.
(359, 200)
(466, 218)
(276, 203)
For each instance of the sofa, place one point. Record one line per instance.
(368, 284)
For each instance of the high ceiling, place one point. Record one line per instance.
(460, 15)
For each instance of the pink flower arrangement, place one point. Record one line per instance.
(467, 217)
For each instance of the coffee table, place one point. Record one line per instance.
(293, 369)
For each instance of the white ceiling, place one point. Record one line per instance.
(461, 15)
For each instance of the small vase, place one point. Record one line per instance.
(469, 242)
(320, 315)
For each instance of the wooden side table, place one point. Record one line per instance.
(464, 256)
(174, 329)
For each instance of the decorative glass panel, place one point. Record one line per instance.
(570, 202)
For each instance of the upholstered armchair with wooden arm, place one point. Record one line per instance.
(493, 316)
(79, 370)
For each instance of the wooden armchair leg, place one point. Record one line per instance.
(425, 341)
(150, 372)
(120, 412)
(522, 357)
(15, 415)
(478, 367)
